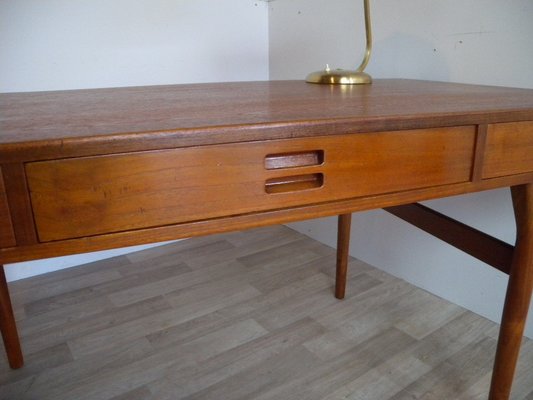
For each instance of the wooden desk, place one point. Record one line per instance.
(95, 169)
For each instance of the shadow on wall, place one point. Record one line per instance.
(406, 56)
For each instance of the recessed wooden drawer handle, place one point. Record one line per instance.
(294, 183)
(292, 160)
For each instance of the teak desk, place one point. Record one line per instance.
(95, 169)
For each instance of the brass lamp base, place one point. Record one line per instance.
(339, 77)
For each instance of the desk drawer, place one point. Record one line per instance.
(95, 195)
(509, 149)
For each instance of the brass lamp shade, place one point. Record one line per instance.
(348, 77)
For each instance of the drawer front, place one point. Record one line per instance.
(509, 149)
(7, 236)
(96, 195)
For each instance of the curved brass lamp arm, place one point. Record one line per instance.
(348, 77)
(368, 30)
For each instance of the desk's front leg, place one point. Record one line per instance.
(518, 296)
(343, 248)
(8, 325)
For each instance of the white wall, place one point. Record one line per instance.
(66, 44)
(472, 41)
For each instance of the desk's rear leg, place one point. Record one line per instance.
(343, 247)
(8, 325)
(518, 296)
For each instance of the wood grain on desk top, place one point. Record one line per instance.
(193, 114)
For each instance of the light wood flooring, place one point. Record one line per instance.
(246, 315)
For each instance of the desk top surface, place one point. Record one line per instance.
(278, 108)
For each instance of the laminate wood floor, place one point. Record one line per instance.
(246, 315)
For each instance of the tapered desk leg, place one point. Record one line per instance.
(8, 326)
(343, 246)
(518, 296)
